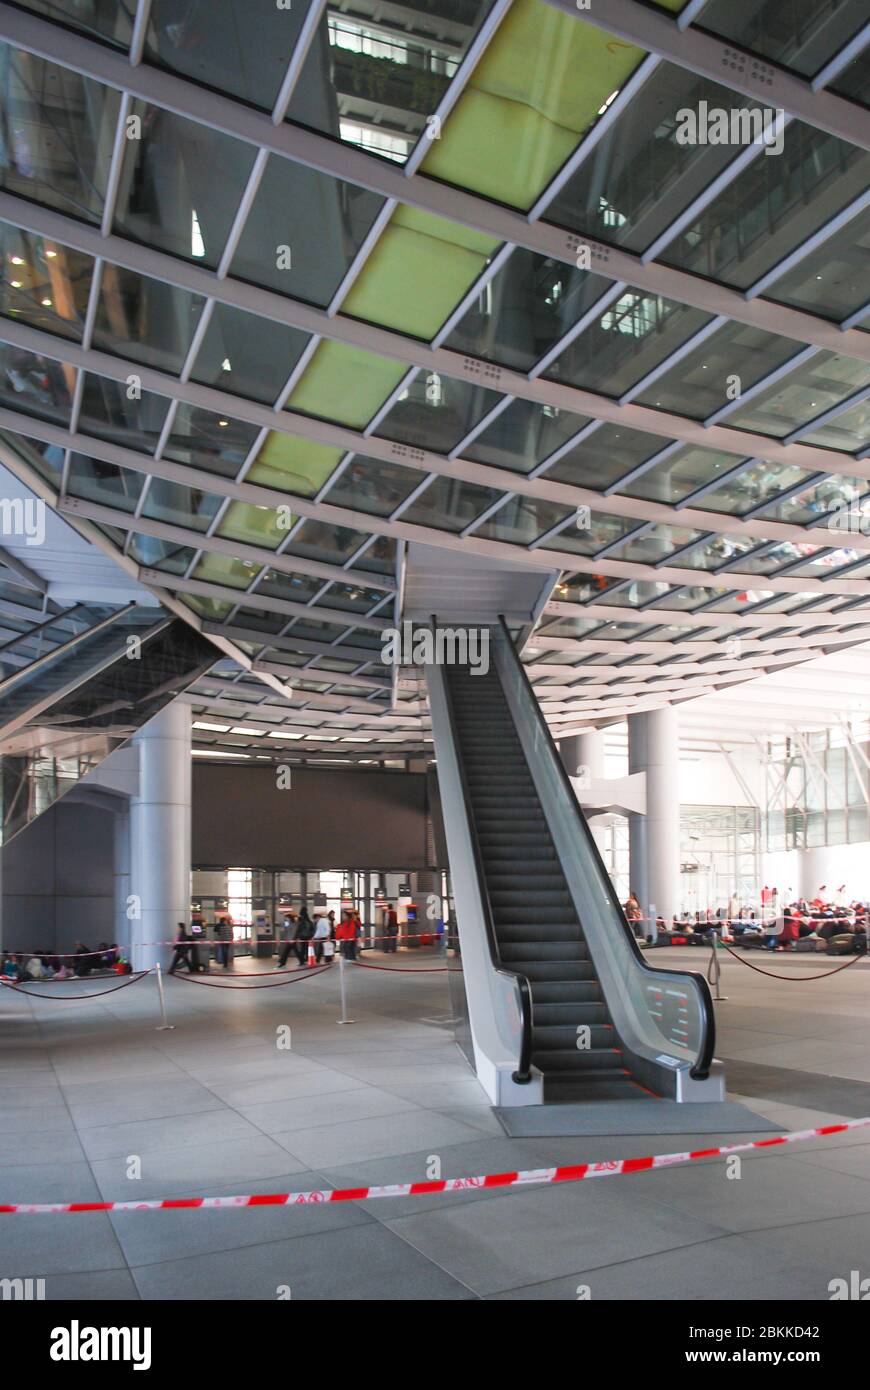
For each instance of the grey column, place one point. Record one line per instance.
(160, 833)
(583, 755)
(121, 832)
(654, 839)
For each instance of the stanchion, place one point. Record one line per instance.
(165, 1025)
(342, 982)
(714, 970)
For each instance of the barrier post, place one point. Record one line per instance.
(714, 970)
(341, 966)
(164, 1025)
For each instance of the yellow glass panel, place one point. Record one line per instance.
(244, 521)
(345, 384)
(538, 87)
(225, 569)
(418, 271)
(294, 465)
(213, 610)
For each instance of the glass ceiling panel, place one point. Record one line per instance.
(100, 19)
(256, 525)
(854, 81)
(211, 610)
(824, 381)
(297, 587)
(523, 519)
(169, 195)
(834, 494)
(182, 506)
(523, 435)
(603, 529)
(154, 553)
(240, 49)
(380, 558)
(761, 482)
(802, 35)
(634, 335)
(145, 320)
(450, 505)
(771, 208)
(216, 568)
(679, 475)
(578, 588)
(56, 130)
(293, 465)
(45, 459)
(541, 83)
(35, 385)
(102, 482)
(353, 598)
(345, 384)
(527, 307)
(417, 272)
(699, 384)
(108, 412)
(640, 176)
(656, 544)
(303, 231)
(373, 485)
(849, 431)
(43, 284)
(323, 540)
(824, 564)
(435, 412)
(724, 549)
(834, 280)
(248, 355)
(205, 440)
(372, 81)
(606, 456)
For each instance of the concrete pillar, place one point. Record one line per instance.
(654, 839)
(121, 833)
(160, 833)
(583, 756)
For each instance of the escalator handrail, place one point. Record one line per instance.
(62, 648)
(701, 1067)
(523, 1073)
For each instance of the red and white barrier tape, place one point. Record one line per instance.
(530, 1177)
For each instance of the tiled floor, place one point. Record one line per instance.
(92, 1092)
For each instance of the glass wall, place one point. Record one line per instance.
(817, 789)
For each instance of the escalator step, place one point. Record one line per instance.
(568, 1061)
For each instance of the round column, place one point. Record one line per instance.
(583, 756)
(654, 839)
(160, 834)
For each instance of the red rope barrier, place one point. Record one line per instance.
(774, 975)
(69, 998)
(294, 977)
(406, 969)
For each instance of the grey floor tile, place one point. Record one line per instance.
(357, 1140)
(46, 1182)
(313, 1111)
(227, 1168)
(547, 1232)
(167, 1132)
(109, 1285)
(38, 1246)
(357, 1263)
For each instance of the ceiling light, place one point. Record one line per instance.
(241, 729)
(226, 365)
(17, 260)
(216, 753)
(197, 245)
(46, 303)
(223, 423)
(50, 255)
(204, 724)
(16, 284)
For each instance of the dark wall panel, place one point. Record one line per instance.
(58, 884)
(327, 819)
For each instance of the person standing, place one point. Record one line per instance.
(181, 956)
(289, 933)
(345, 934)
(391, 929)
(322, 933)
(303, 934)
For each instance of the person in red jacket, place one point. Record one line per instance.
(345, 933)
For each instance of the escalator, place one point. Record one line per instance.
(106, 672)
(586, 1018)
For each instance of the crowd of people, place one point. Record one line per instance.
(297, 932)
(816, 924)
(17, 967)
